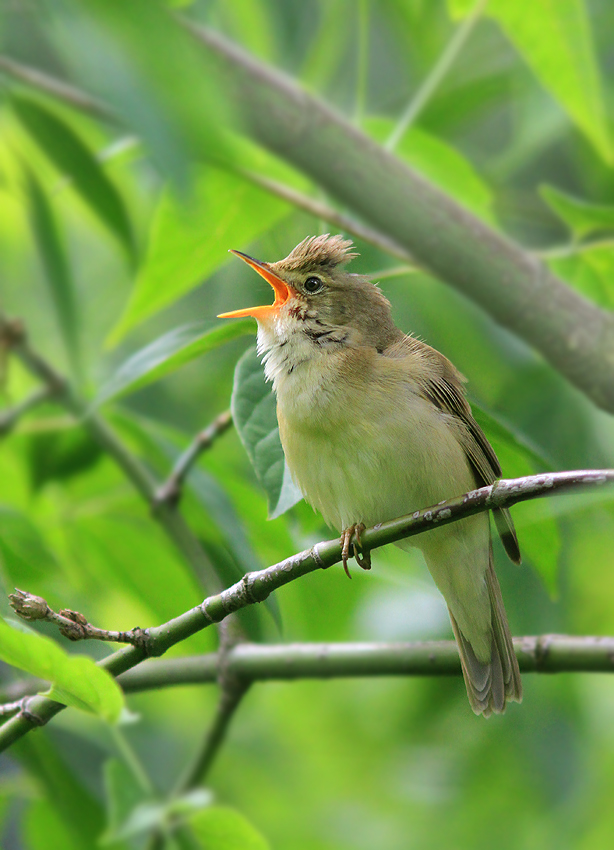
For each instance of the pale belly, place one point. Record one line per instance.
(370, 467)
(369, 460)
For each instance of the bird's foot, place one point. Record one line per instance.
(351, 536)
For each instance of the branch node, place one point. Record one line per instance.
(318, 558)
(541, 651)
(31, 716)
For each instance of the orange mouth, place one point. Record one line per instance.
(282, 291)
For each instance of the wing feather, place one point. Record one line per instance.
(442, 384)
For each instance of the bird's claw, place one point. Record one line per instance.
(351, 536)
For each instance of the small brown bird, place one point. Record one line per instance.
(374, 424)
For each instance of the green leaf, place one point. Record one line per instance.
(59, 455)
(23, 552)
(538, 530)
(440, 163)
(141, 61)
(556, 42)
(590, 270)
(80, 814)
(223, 828)
(74, 159)
(581, 217)
(190, 239)
(45, 830)
(150, 814)
(169, 353)
(540, 540)
(123, 795)
(224, 540)
(76, 679)
(517, 454)
(253, 412)
(56, 267)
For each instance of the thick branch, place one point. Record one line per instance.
(418, 220)
(256, 587)
(254, 662)
(515, 287)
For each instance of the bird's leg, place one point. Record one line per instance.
(363, 559)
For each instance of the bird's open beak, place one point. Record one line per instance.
(282, 291)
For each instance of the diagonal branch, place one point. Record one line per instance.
(166, 514)
(257, 586)
(510, 284)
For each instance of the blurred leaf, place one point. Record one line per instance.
(128, 554)
(74, 159)
(76, 679)
(538, 530)
(440, 163)
(44, 829)
(123, 795)
(167, 354)
(24, 554)
(590, 270)
(140, 60)
(150, 815)
(223, 828)
(190, 239)
(250, 23)
(540, 540)
(556, 42)
(227, 543)
(517, 454)
(221, 510)
(59, 455)
(581, 217)
(56, 267)
(80, 814)
(253, 412)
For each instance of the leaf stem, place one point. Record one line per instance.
(436, 75)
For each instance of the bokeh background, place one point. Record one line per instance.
(116, 214)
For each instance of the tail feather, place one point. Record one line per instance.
(491, 684)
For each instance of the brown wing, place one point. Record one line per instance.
(442, 384)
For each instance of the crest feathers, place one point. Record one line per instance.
(318, 252)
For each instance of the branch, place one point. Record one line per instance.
(171, 521)
(257, 586)
(10, 417)
(54, 87)
(255, 662)
(510, 284)
(170, 491)
(71, 624)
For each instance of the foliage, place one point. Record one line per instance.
(120, 196)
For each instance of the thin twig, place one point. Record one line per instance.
(72, 624)
(54, 87)
(257, 586)
(436, 75)
(170, 491)
(321, 210)
(169, 518)
(11, 417)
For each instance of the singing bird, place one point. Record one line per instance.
(374, 425)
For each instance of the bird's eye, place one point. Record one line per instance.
(313, 285)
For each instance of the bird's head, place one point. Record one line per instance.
(318, 305)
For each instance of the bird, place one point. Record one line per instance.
(374, 424)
